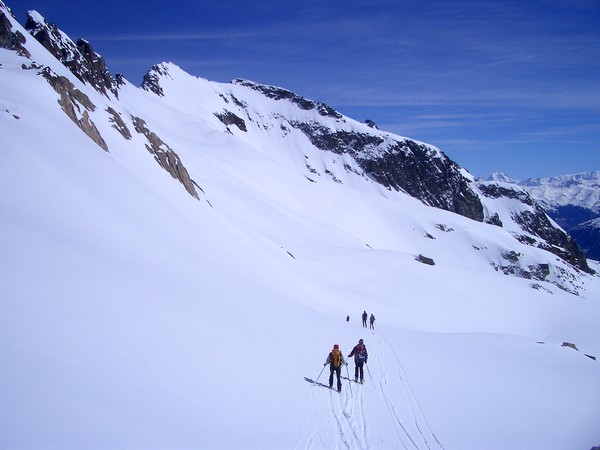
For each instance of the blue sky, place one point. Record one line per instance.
(511, 86)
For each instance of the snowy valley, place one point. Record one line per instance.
(179, 258)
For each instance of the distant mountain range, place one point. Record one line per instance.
(573, 201)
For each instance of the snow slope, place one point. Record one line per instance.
(135, 316)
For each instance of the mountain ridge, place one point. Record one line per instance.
(395, 162)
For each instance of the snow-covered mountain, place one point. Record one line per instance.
(179, 258)
(581, 189)
(573, 201)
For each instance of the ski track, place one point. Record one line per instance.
(403, 407)
(340, 421)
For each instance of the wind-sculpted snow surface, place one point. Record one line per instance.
(135, 315)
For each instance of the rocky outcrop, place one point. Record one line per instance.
(277, 93)
(371, 124)
(417, 169)
(79, 58)
(425, 260)
(151, 82)
(166, 157)
(9, 39)
(118, 123)
(76, 105)
(535, 221)
(511, 265)
(229, 118)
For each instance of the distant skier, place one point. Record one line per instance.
(372, 322)
(360, 358)
(347, 318)
(364, 318)
(335, 359)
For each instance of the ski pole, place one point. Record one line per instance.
(349, 384)
(370, 374)
(320, 373)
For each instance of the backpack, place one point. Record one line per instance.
(361, 352)
(335, 357)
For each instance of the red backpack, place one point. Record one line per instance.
(360, 352)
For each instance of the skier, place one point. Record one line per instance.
(364, 317)
(360, 358)
(335, 359)
(347, 318)
(372, 321)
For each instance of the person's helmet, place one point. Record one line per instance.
(360, 341)
(336, 346)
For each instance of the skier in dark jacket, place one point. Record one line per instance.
(360, 358)
(364, 318)
(372, 321)
(335, 359)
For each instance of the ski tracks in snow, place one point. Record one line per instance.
(341, 420)
(336, 419)
(403, 407)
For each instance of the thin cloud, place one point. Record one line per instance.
(176, 36)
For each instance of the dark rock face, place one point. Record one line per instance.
(417, 169)
(277, 93)
(425, 260)
(497, 191)
(93, 69)
(537, 223)
(229, 118)
(151, 82)
(166, 157)
(118, 123)
(11, 40)
(80, 58)
(558, 242)
(424, 174)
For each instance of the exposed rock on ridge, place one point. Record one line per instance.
(76, 105)
(80, 58)
(151, 82)
(166, 157)
(9, 39)
(536, 222)
(277, 93)
(417, 169)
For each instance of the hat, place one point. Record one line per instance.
(336, 346)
